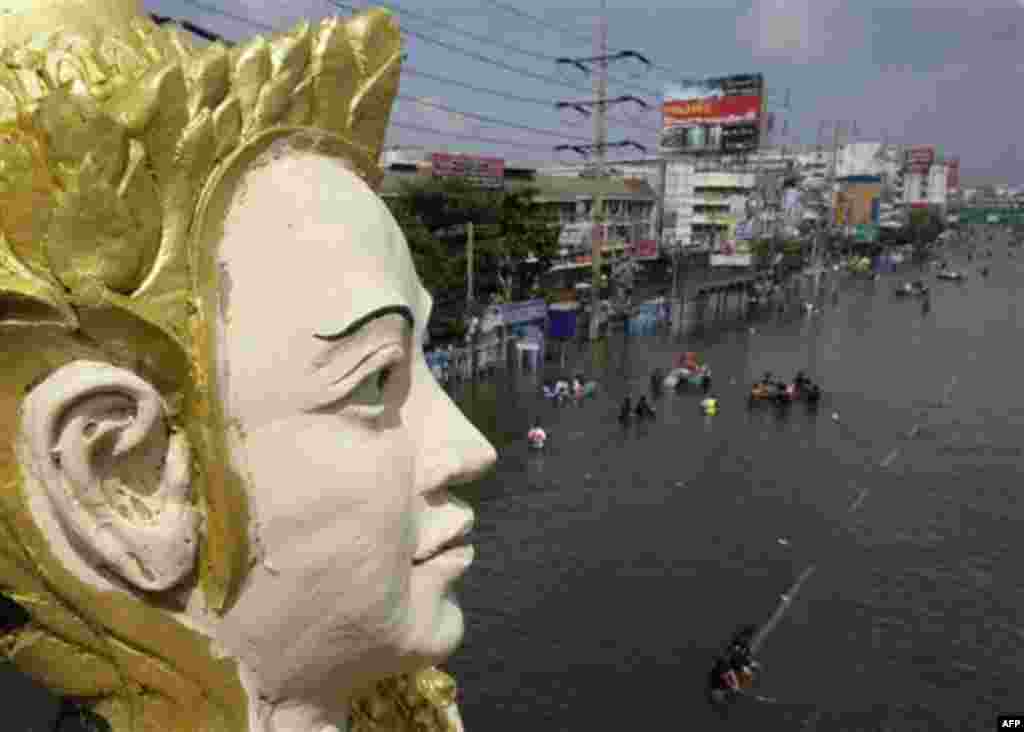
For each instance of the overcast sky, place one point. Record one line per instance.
(939, 72)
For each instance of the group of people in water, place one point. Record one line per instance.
(562, 391)
(643, 409)
(779, 391)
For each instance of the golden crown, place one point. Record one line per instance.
(110, 126)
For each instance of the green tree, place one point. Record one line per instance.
(924, 226)
(510, 226)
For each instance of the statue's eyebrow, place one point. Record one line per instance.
(350, 330)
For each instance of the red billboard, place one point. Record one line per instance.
(919, 159)
(722, 115)
(644, 248)
(953, 174)
(711, 111)
(481, 171)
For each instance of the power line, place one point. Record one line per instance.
(504, 95)
(493, 62)
(565, 31)
(534, 19)
(232, 16)
(475, 138)
(673, 74)
(473, 54)
(482, 118)
(491, 120)
(478, 38)
(511, 97)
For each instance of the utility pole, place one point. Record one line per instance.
(469, 263)
(600, 141)
(600, 146)
(832, 195)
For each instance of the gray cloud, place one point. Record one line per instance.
(796, 30)
(932, 38)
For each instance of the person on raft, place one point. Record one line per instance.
(643, 407)
(723, 678)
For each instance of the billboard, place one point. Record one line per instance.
(643, 249)
(527, 311)
(953, 174)
(919, 159)
(731, 260)
(858, 203)
(721, 115)
(866, 233)
(480, 171)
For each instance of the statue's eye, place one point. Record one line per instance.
(371, 390)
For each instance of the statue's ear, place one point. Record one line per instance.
(117, 476)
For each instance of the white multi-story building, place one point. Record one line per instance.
(703, 207)
(926, 188)
(937, 185)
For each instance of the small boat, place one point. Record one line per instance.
(948, 274)
(911, 289)
(693, 376)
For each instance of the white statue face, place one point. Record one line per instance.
(349, 443)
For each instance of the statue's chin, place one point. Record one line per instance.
(434, 643)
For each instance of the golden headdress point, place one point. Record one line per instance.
(111, 125)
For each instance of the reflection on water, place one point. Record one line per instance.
(612, 565)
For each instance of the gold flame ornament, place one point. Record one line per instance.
(113, 132)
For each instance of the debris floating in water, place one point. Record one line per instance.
(753, 331)
(784, 542)
(835, 416)
(588, 476)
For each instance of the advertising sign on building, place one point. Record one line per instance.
(953, 174)
(731, 260)
(575, 235)
(856, 203)
(919, 159)
(480, 171)
(644, 249)
(514, 313)
(865, 233)
(721, 115)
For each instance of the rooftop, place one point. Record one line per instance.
(551, 187)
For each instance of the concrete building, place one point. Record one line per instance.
(702, 207)
(630, 204)
(926, 189)
(629, 208)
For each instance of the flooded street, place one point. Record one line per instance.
(612, 566)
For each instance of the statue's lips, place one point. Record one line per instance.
(460, 539)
